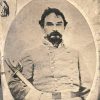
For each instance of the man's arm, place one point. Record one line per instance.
(18, 88)
(85, 79)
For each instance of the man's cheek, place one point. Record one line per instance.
(48, 30)
(60, 30)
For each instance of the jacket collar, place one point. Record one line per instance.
(49, 44)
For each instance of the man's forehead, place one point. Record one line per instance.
(53, 18)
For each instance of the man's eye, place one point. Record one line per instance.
(49, 24)
(59, 24)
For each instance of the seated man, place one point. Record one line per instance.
(52, 68)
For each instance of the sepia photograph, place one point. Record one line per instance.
(49, 52)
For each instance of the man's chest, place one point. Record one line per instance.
(53, 56)
(55, 66)
(52, 66)
(56, 61)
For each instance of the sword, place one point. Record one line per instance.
(20, 76)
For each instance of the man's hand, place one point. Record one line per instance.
(24, 65)
(26, 61)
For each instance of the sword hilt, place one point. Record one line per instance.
(12, 67)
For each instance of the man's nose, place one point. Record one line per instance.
(54, 28)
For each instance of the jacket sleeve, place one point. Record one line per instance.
(85, 77)
(18, 89)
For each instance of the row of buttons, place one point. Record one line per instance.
(52, 66)
(52, 56)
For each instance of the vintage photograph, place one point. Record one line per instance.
(49, 52)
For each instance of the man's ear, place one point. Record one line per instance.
(41, 23)
(43, 30)
(65, 24)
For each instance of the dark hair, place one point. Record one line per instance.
(49, 11)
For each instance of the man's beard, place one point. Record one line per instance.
(55, 38)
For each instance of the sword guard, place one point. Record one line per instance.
(14, 68)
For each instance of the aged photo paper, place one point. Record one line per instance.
(49, 49)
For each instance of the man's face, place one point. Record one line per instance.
(53, 28)
(53, 23)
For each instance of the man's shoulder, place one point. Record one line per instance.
(34, 51)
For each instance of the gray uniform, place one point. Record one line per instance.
(52, 70)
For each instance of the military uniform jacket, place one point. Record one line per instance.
(51, 69)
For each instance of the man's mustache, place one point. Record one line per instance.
(55, 38)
